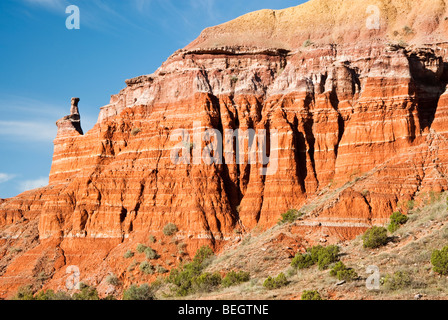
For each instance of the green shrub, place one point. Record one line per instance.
(152, 239)
(234, 278)
(24, 293)
(141, 248)
(276, 283)
(161, 270)
(399, 280)
(327, 256)
(206, 282)
(129, 254)
(170, 229)
(87, 293)
(51, 295)
(439, 260)
(311, 295)
(185, 276)
(396, 220)
(151, 254)
(323, 256)
(375, 237)
(146, 267)
(113, 280)
(134, 292)
(302, 261)
(203, 255)
(290, 216)
(343, 273)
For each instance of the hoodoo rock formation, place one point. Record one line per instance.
(361, 115)
(72, 122)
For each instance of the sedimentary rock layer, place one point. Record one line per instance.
(361, 129)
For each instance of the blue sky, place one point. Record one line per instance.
(43, 65)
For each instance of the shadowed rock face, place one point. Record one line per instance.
(361, 127)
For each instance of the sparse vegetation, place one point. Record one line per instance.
(290, 216)
(203, 255)
(170, 229)
(86, 293)
(439, 260)
(161, 270)
(128, 254)
(42, 276)
(233, 79)
(134, 292)
(235, 278)
(141, 248)
(434, 196)
(51, 295)
(276, 283)
(399, 280)
(184, 278)
(113, 280)
(24, 293)
(327, 256)
(311, 295)
(375, 237)
(341, 271)
(151, 254)
(323, 256)
(396, 220)
(206, 282)
(146, 267)
(410, 204)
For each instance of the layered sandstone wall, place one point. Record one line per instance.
(361, 129)
(341, 113)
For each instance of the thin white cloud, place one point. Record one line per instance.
(142, 5)
(33, 184)
(31, 120)
(207, 6)
(28, 106)
(49, 4)
(5, 177)
(28, 130)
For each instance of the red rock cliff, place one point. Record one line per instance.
(361, 121)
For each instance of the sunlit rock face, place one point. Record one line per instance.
(360, 119)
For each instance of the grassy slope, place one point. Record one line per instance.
(409, 250)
